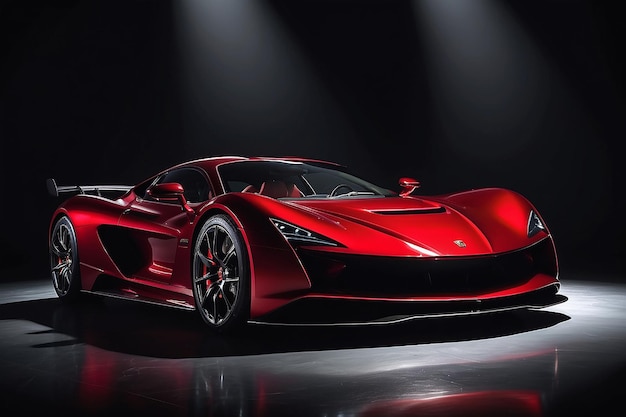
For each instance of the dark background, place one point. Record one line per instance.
(527, 95)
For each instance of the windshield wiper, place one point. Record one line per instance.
(353, 194)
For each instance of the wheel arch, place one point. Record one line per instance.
(276, 272)
(213, 211)
(61, 212)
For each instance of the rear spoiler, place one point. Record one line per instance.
(54, 189)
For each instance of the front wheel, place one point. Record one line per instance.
(220, 274)
(64, 265)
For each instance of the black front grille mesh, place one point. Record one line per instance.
(402, 277)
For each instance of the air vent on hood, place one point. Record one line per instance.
(428, 210)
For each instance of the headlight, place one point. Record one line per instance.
(535, 225)
(297, 236)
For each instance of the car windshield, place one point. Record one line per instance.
(285, 179)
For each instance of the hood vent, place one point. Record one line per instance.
(429, 210)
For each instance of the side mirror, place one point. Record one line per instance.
(167, 191)
(408, 185)
(172, 191)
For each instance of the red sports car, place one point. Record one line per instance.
(300, 241)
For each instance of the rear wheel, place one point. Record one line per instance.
(221, 279)
(64, 265)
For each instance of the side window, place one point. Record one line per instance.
(194, 183)
(141, 189)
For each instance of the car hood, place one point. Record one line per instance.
(430, 227)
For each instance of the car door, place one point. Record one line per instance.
(159, 227)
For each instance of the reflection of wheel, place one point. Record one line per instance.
(64, 265)
(335, 190)
(221, 280)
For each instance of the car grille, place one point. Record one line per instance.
(405, 277)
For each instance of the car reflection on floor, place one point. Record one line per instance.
(99, 358)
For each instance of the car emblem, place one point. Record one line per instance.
(460, 243)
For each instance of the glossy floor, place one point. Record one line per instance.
(114, 356)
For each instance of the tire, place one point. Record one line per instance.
(64, 263)
(220, 275)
